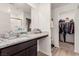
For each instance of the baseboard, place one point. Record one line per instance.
(41, 53)
(56, 46)
(76, 51)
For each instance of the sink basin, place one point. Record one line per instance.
(20, 37)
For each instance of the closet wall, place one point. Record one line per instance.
(70, 14)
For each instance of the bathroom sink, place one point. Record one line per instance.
(20, 37)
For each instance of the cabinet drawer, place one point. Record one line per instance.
(11, 50)
(27, 44)
(32, 51)
(21, 53)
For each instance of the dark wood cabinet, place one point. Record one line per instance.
(22, 49)
(21, 53)
(32, 51)
(27, 48)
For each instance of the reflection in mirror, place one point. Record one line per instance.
(16, 23)
(20, 17)
(28, 22)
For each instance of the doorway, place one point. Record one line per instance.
(66, 34)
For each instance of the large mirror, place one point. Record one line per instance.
(20, 17)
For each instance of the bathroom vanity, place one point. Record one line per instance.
(23, 46)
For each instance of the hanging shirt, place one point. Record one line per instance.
(71, 28)
(66, 27)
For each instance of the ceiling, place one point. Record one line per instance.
(25, 7)
(22, 6)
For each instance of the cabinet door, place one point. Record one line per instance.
(21, 53)
(32, 51)
(9, 51)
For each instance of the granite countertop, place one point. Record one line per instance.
(9, 42)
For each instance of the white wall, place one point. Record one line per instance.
(4, 18)
(27, 15)
(44, 22)
(4, 7)
(35, 21)
(70, 14)
(4, 22)
(65, 10)
(41, 19)
(35, 18)
(77, 30)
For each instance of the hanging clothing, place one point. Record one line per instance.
(66, 30)
(61, 26)
(66, 27)
(71, 27)
(60, 29)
